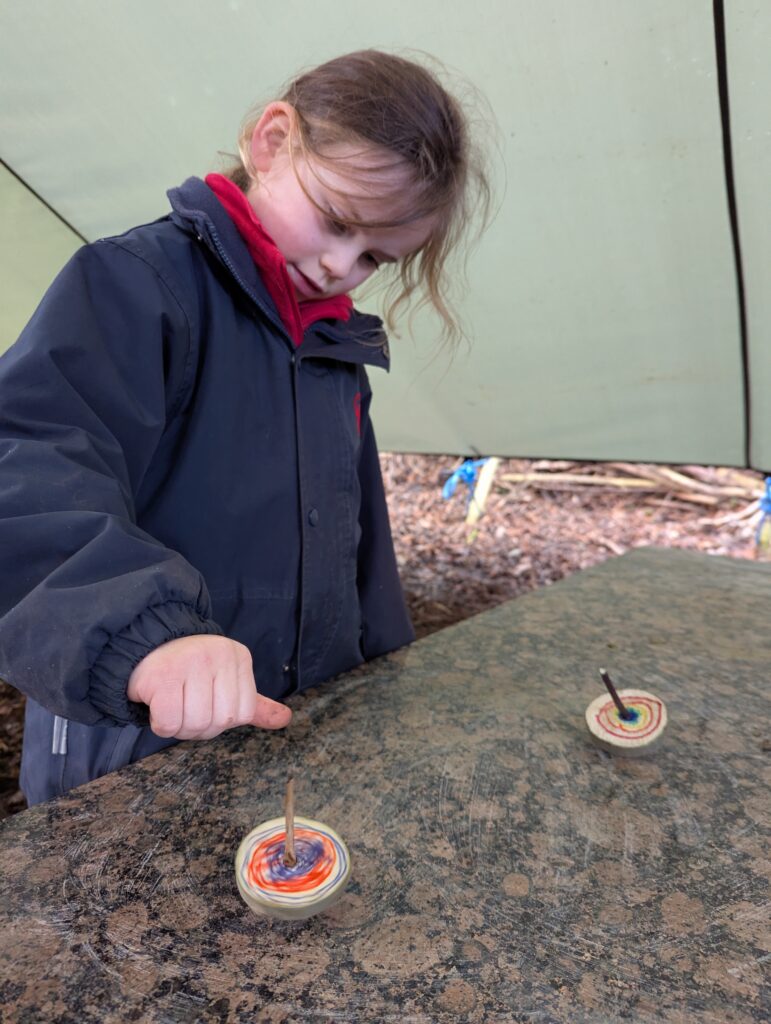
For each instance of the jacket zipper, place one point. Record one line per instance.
(222, 253)
(295, 658)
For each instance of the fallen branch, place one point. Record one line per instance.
(698, 486)
(667, 475)
(733, 517)
(567, 480)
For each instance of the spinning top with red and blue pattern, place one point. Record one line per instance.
(292, 867)
(629, 722)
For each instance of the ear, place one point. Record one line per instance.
(271, 134)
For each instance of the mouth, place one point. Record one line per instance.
(307, 287)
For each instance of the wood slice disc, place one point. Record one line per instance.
(314, 883)
(634, 737)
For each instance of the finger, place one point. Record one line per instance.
(247, 688)
(269, 714)
(197, 709)
(225, 702)
(255, 709)
(166, 706)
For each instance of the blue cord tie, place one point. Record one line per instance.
(465, 474)
(765, 508)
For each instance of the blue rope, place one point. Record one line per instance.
(464, 474)
(765, 508)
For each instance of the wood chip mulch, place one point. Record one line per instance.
(532, 532)
(530, 537)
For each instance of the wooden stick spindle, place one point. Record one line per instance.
(290, 857)
(623, 711)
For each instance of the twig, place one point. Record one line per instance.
(623, 711)
(550, 479)
(611, 545)
(732, 517)
(290, 856)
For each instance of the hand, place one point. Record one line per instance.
(198, 686)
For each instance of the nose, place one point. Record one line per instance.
(338, 260)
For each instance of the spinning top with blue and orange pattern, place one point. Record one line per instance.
(629, 722)
(292, 867)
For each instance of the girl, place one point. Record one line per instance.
(193, 519)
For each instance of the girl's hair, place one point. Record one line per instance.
(402, 109)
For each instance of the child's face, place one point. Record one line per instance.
(323, 256)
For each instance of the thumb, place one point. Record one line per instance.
(269, 714)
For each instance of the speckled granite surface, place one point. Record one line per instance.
(504, 869)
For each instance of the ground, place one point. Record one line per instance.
(532, 533)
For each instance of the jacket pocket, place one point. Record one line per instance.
(59, 754)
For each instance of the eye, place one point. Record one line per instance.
(337, 227)
(370, 260)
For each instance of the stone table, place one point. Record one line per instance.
(504, 869)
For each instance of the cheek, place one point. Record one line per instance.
(358, 276)
(279, 212)
(298, 231)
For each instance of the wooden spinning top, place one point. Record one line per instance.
(292, 867)
(629, 722)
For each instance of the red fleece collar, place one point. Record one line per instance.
(295, 316)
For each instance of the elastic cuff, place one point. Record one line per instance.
(123, 652)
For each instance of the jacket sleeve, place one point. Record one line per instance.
(385, 620)
(85, 393)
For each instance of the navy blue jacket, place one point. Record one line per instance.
(170, 464)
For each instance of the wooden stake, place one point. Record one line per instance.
(482, 489)
(623, 711)
(290, 857)
(479, 497)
